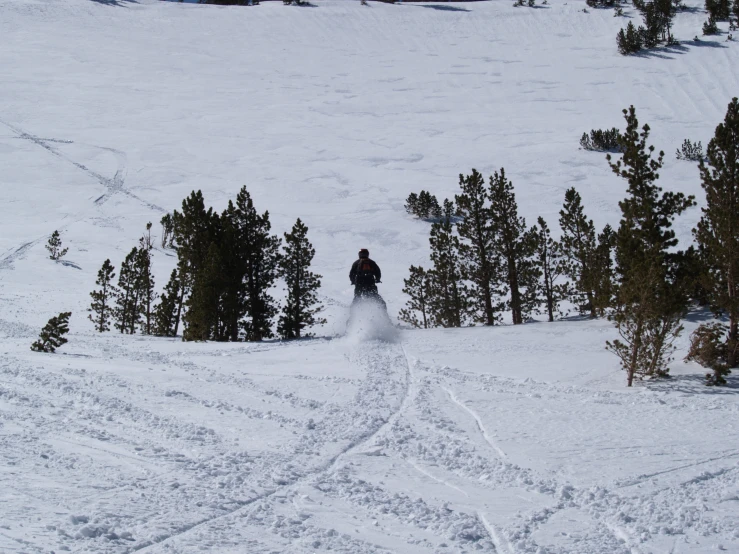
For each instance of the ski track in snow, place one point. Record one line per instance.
(478, 421)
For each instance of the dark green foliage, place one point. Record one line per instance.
(710, 27)
(54, 246)
(260, 255)
(578, 248)
(648, 304)
(719, 10)
(481, 264)
(102, 300)
(52, 335)
(691, 151)
(417, 311)
(145, 280)
(423, 205)
(552, 266)
(204, 304)
(167, 312)
(227, 266)
(602, 3)
(127, 312)
(301, 305)
(717, 232)
(515, 245)
(657, 16)
(602, 276)
(708, 347)
(602, 141)
(448, 294)
(167, 230)
(629, 41)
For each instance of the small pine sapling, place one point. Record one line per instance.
(52, 335)
(691, 151)
(709, 348)
(54, 246)
(710, 27)
(416, 312)
(102, 299)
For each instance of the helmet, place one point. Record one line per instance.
(364, 253)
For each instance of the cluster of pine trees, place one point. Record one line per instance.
(487, 260)
(222, 287)
(656, 28)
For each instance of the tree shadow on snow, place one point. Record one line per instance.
(704, 44)
(699, 314)
(67, 263)
(443, 8)
(119, 3)
(696, 384)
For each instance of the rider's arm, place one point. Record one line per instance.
(378, 273)
(353, 273)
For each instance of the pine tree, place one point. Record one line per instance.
(166, 316)
(717, 232)
(145, 281)
(515, 245)
(102, 300)
(552, 267)
(629, 41)
(52, 335)
(602, 271)
(167, 222)
(720, 10)
(578, 247)
(477, 251)
(54, 246)
(260, 256)
(195, 231)
(302, 305)
(203, 313)
(649, 305)
(448, 295)
(127, 312)
(417, 310)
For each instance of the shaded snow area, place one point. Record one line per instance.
(365, 439)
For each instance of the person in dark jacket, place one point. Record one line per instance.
(364, 275)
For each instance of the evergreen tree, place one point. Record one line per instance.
(52, 335)
(602, 271)
(717, 232)
(167, 222)
(166, 316)
(145, 281)
(417, 287)
(260, 257)
(302, 305)
(54, 246)
(204, 305)
(649, 305)
(719, 10)
(195, 232)
(578, 247)
(629, 41)
(477, 248)
(102, 300)
(515, 245)
(127, 312)
(448, 295)
(552, 267)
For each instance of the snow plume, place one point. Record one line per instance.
(368, 320)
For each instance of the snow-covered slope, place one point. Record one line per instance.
(509, 440)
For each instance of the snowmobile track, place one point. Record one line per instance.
(326, 468)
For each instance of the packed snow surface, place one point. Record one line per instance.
(506, 440)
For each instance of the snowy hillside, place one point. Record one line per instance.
(508, 440)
